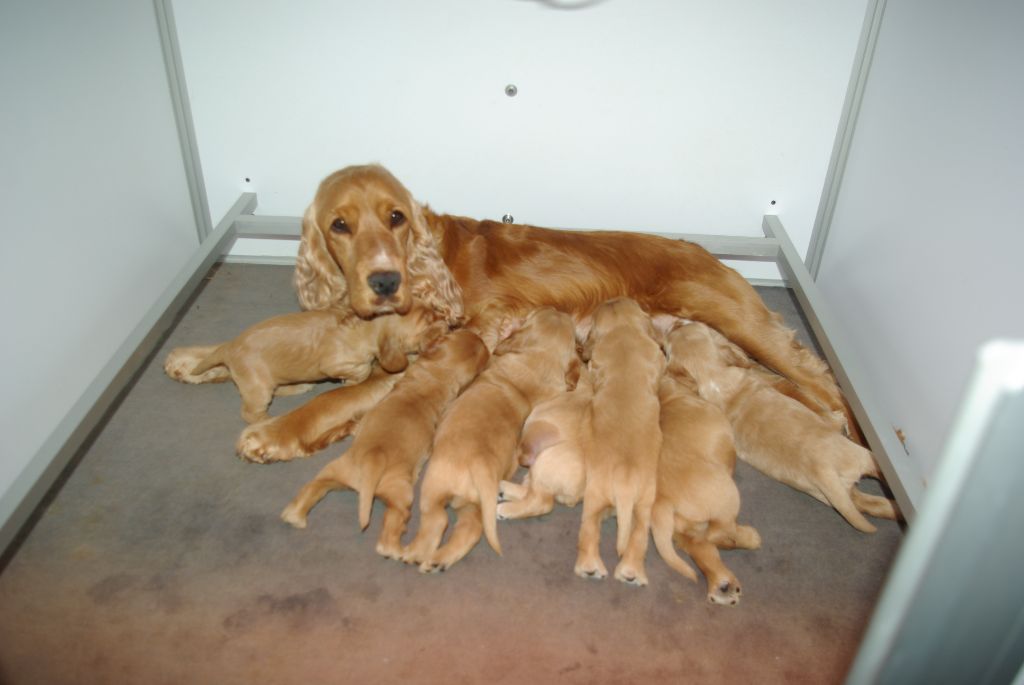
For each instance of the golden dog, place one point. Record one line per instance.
(697, 499)
(623, 437)
(303, 347)
(369, 247)
(385, 462)
(475, 444)
(552, 447)
(777, 434)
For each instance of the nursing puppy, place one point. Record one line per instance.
(302, 347)
(553, 449)
(623, 437)
(475, 444)
(385, 462)
(697, 499)
(778, 435)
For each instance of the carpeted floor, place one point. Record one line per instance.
(162, 560)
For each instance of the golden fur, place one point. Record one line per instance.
(623, 437)
(303, 347)
(778, 435)
(552, 447)
(385, 462)
(327, 418)
(697, 500)
(474, 448)
(487, 272)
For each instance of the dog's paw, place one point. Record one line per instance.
(292, 515)
(389, 551)
(431, 566)
(262, 444)
(726, 592)
(626, 573)
(182, 360)
(410, 555)
(593, 569)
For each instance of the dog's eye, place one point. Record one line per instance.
(339, 226)
(397, 219)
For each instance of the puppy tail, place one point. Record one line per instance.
(488, 489)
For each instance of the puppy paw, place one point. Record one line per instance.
(626, 573)
(726, 592)
(292, 515)
(261, 443)
(181, 360)
(593, 569)
(389, 551)
(433, 567)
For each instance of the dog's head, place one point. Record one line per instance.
(620, 311)
(361, 236)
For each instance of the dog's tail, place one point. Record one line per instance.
(662, 528)
(369, 479)
(487, 487)
(625, 501)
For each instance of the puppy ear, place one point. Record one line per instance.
(318, 281)
(572, 374)
(663, 325)
(586, 351)
(431, 281)
(391, 353)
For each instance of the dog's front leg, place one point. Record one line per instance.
(326, 418)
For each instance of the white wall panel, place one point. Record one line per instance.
(661, 115)
(923, 257)
(96, 214)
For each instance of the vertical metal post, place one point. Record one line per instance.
(183, 117)
(844, 134)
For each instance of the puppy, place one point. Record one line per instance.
(622, 437)
(697, 499)
(302, 347)
(386, 462)
(552, 447)
(475, 444)
(777, 434)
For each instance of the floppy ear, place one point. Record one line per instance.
(318, 281)
(663, 325)
(572, 374)
(391, 352)
(431, 281)
(588, 346)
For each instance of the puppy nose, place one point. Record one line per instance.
(384, 283)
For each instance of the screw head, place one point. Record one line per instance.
(511, 90)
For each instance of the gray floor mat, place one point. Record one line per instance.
(162, 560)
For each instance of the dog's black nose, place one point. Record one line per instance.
(384, 283)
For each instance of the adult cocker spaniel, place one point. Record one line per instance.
(369, 246)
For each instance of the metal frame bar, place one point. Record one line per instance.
(844, 134)
(73, 432)
(28, 490)
(183, 117)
